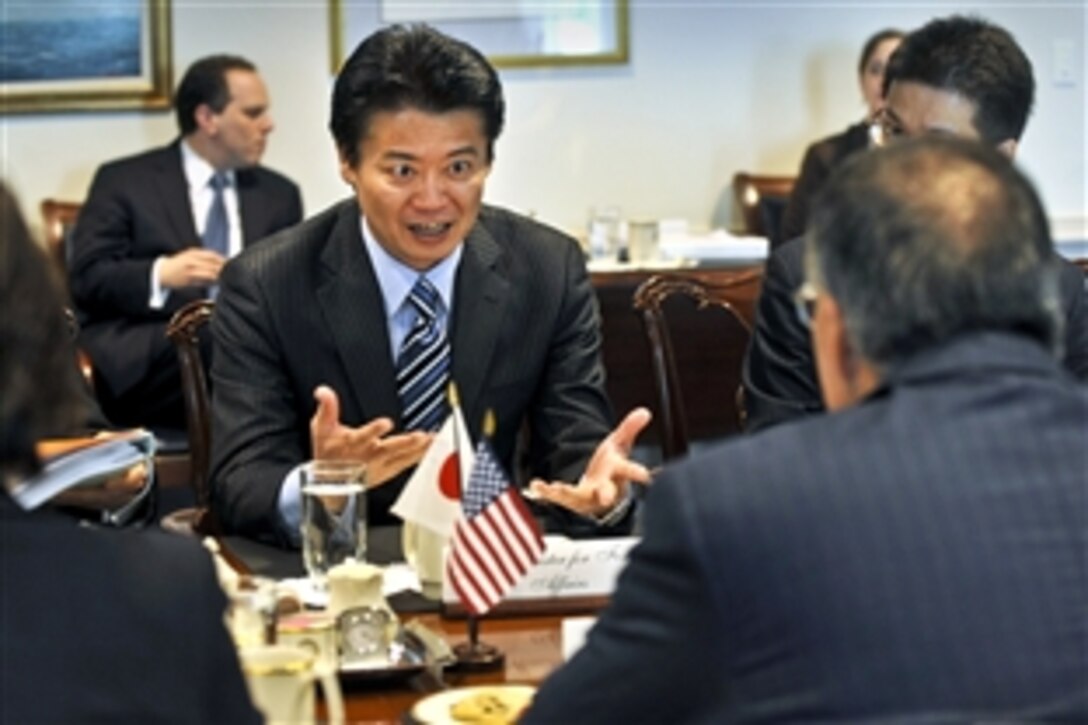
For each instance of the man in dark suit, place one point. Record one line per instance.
(958, 75)
(157, 227)
(917, 555)
(373, 305)
(96, 625)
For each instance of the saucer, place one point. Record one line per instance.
(511, 701)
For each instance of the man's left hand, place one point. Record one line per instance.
(607, 476)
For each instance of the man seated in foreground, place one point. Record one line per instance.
(332, 334)
(919, 552)
(96, 625)
(959, 76)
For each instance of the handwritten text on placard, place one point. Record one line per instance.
(571, 568)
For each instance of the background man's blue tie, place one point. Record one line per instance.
(216, 227)
(423, 365)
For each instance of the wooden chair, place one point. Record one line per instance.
(761, 200)
(706, 401)
(58, 221)
(184, 331)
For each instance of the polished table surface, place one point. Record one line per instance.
(532, 645)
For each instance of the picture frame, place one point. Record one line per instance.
(511, 33)
(77, 56)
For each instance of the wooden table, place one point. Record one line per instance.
(531, 643)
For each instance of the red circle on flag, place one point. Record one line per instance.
(449, 478)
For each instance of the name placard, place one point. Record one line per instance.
(569, 569)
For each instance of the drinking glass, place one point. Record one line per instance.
(604, 232)
(333, 516)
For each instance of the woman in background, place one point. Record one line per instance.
(822, 156)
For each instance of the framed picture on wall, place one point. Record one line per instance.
(74, 55)
(511, 33)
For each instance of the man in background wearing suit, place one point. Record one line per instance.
(959, 76)
(335, 333)
(157, 228)
(95, 625)
(916, 555)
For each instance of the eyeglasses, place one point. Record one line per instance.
(804, 302)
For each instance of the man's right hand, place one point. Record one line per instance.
(385, 457)
(192, 267)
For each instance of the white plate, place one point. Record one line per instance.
(435, 709)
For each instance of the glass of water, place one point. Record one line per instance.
(333, 516)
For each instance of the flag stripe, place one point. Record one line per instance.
(477, 563)
(465, 587)
(496, 543)
(520, 543)
(520, 514)
(491, 537)
(476, 581)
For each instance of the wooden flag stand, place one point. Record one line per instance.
(474, 655)
(477, 656)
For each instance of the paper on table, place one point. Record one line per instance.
(83, 462)
(612, 265)
(573, 633)
(717, 245)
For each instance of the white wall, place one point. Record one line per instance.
(711, 88)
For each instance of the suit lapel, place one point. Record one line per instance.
(479, 309)
(352, 306)
(250, 207)
(173, 192)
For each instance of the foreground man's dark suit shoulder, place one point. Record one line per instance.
(929, 562)
(111, 626)
(304, 309)
(137, 210)
(779, 373)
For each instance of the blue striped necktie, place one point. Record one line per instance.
(423, 365)
(216, 228)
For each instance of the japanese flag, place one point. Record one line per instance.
(432, 496)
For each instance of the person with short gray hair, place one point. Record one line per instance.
(921, 264)
(916, 555)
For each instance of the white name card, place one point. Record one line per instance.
(569, 568)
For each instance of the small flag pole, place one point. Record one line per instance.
(455, 402)
(474, 655)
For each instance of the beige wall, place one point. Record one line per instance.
(711, 88)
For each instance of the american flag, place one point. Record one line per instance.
(496, 542)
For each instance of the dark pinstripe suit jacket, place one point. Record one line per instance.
(923, 555)
(137, 210)
(779, 374)
(304, 308)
